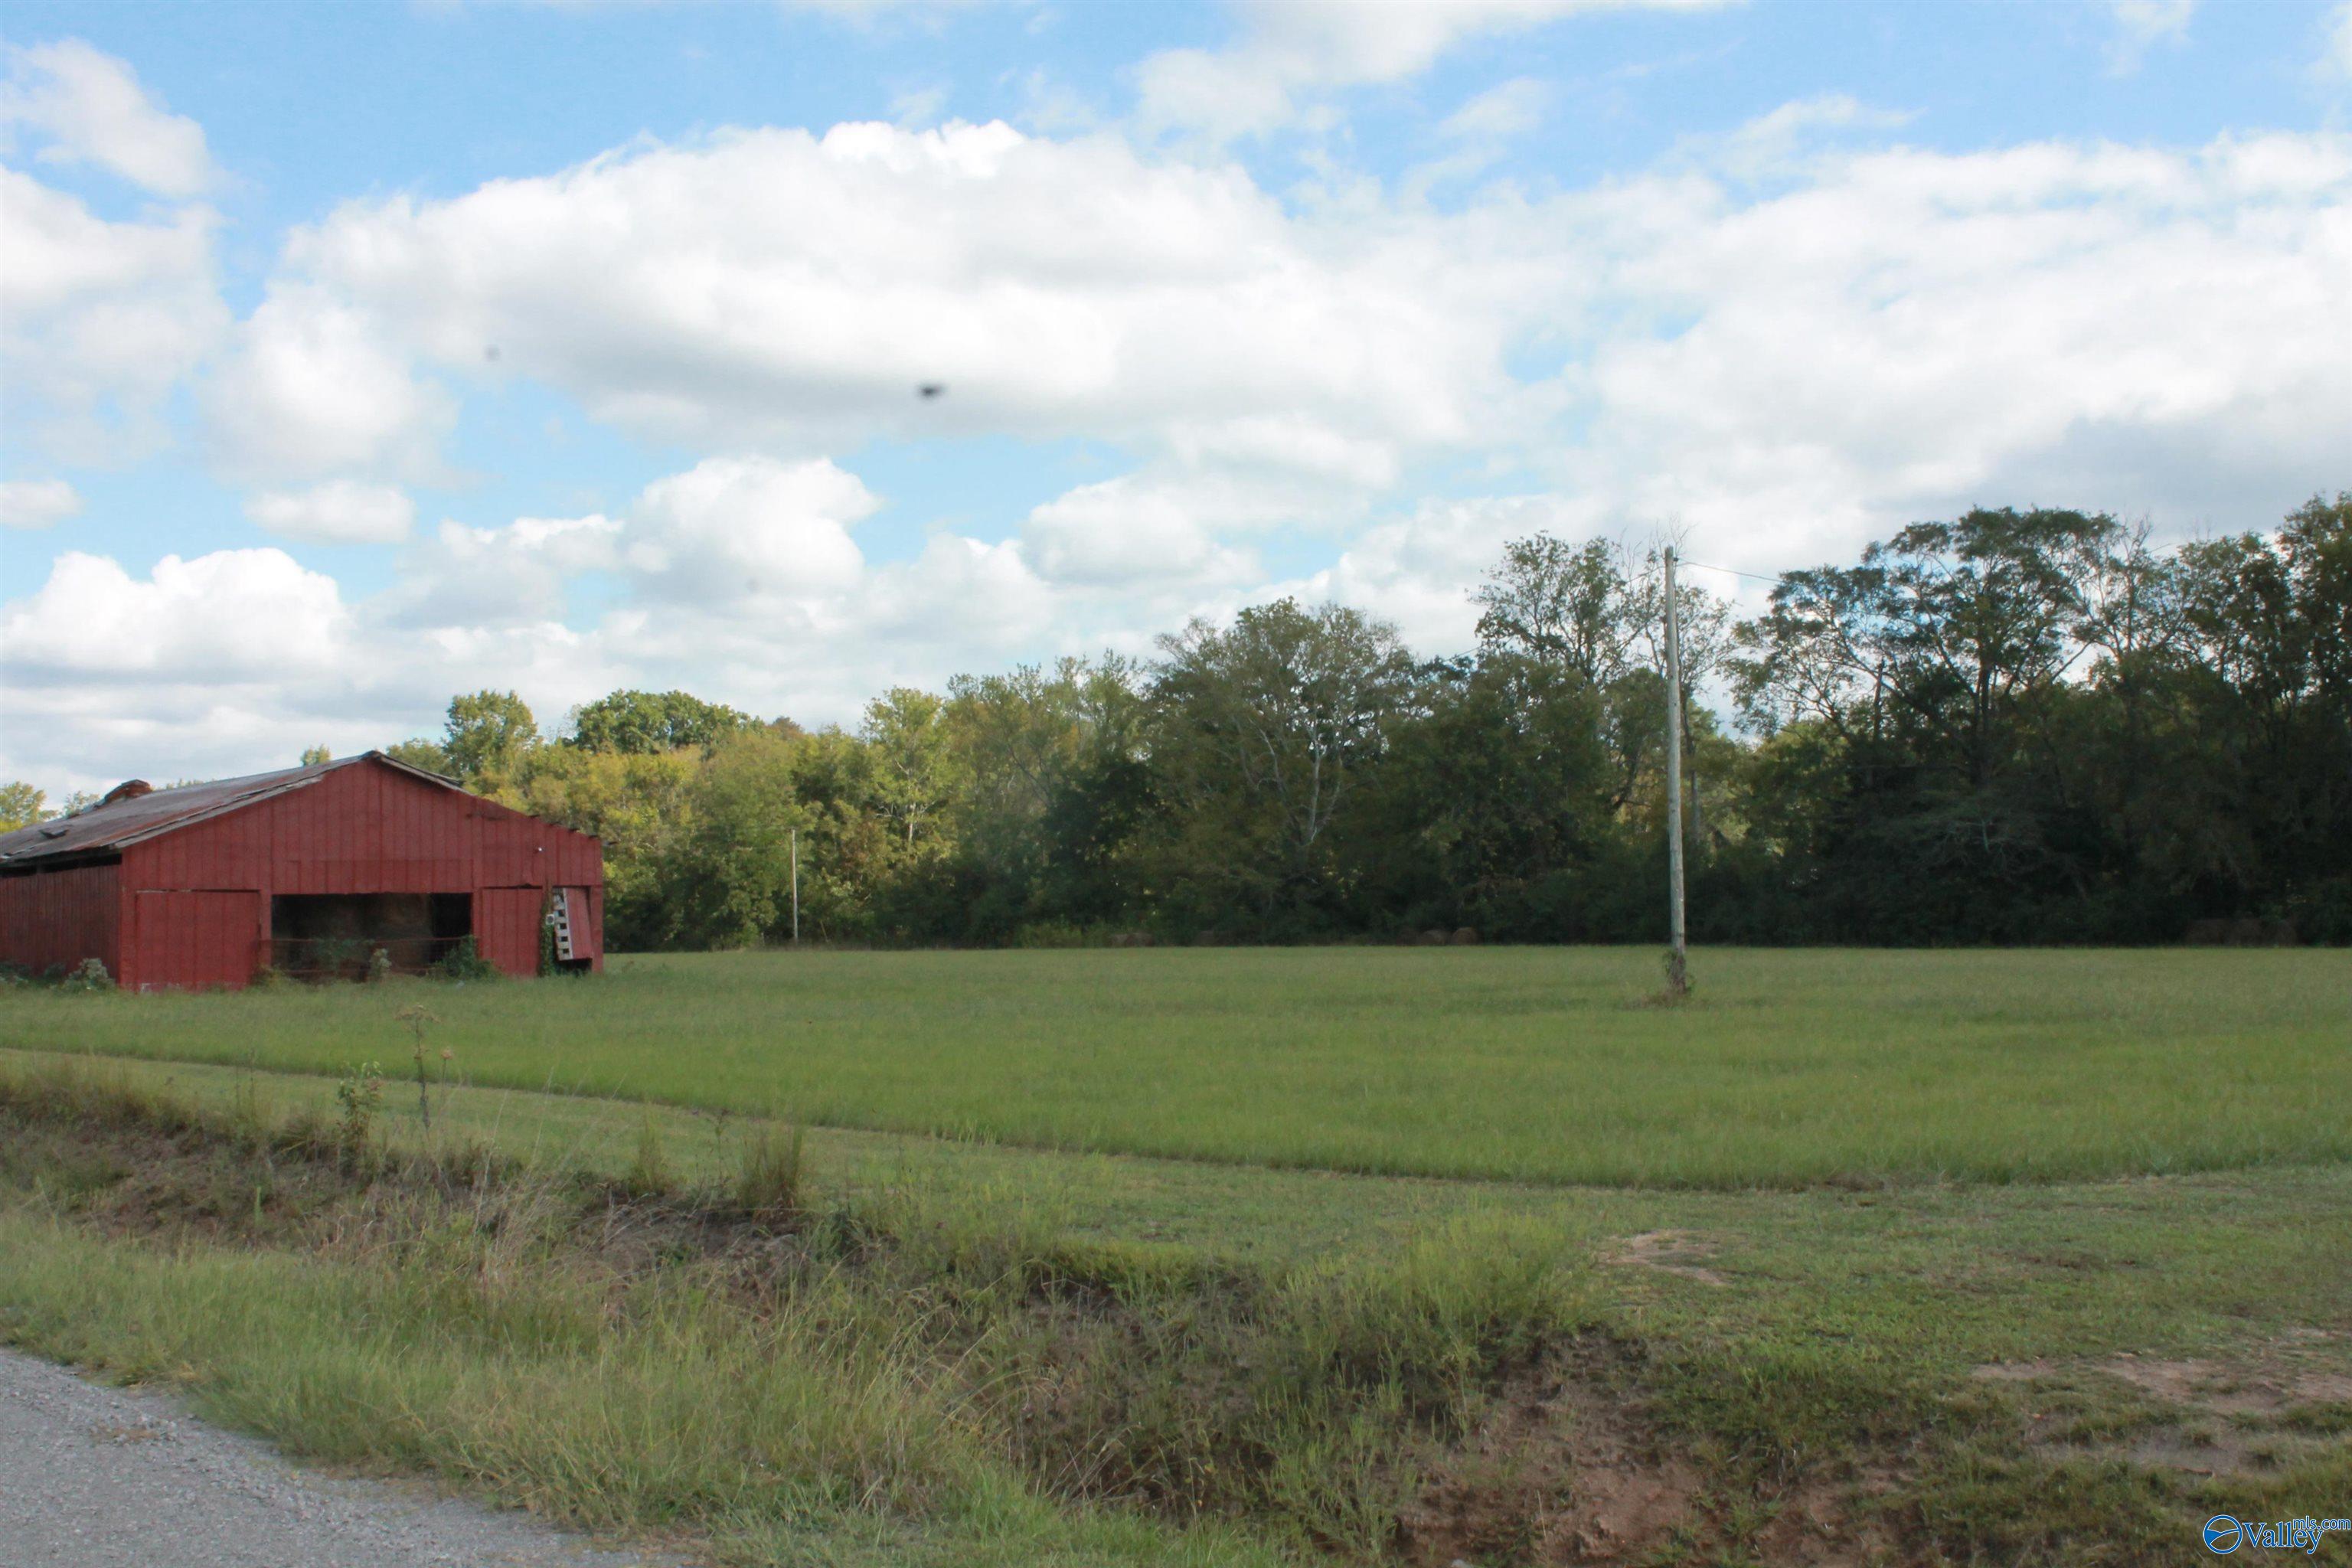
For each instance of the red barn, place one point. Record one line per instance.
(309, 870)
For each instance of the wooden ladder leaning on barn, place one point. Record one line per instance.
(559, 919)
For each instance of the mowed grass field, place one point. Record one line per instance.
(1788, 1068)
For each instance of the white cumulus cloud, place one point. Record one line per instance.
(732, 529)
(1913, 330)
(1291, 53)
(2141, 25)
(512, 575)
(234, 661)
(231, 614)
(37, 503)
(1790, 338)
(1418, 570)
(1129, 531)
(89, 108)
(340, 512)
(312, 384)
(99, 320)
(777, 291)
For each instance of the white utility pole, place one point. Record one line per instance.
(1678, 960)
(796, 887)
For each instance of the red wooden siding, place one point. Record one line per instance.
(190, 907)
(49, 918)
(356, 830)
(362, 828)
(191, 939)
(588, 924)
(506, 924)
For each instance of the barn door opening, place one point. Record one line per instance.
(330, 936)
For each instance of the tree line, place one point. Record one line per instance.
(2013, 727)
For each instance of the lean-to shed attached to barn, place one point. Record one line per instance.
(307, 871)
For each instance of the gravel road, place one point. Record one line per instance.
(102, 1478)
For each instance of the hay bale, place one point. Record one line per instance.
(1466, 936)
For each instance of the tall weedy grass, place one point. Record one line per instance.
(902, 1357)
(677, 1414)
(649, 1169)
(1431, 1318)
(770, 1179)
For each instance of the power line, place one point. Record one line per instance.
(1736, 572)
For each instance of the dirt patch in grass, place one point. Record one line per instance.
(132, 1180)
(1558, 1472)
(1572, 1465)
(1678, 1252)
(2211, 1386)
(2204, 1387)
(2193, 1417)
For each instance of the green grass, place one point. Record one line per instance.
(1275, 1230)
(764, 1441)
(1937, 1279)
(1842, 1332)
(1791, 1069)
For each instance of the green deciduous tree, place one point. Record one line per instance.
(728, 870)
(1555, 603)
(1501, 785)
(1266, 732)
(2011, 726)
(421, 753)
(645, 721)
(487, 735)
(21, 805)
(1041, 752)
(915, 776)
(640, 805)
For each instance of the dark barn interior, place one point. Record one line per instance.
(320, 933)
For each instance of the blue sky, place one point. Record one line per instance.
(361, 353)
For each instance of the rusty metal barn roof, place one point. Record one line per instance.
(118, 824)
